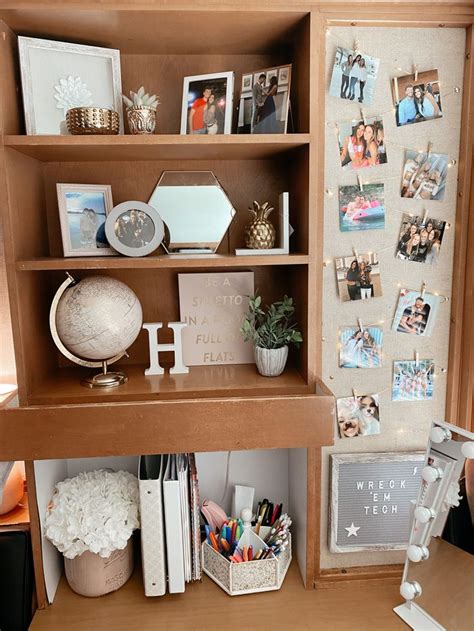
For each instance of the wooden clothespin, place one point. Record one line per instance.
(354, 394)
(423, 288)
(354, 251)
(417, 358)
(359, 179)
(415, 71)
(425, 217)
(356, 45)
(359, 322)
(362, 116)
(430, 146)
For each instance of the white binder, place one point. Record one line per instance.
(183, 466)
(173, 527)
(150, 478)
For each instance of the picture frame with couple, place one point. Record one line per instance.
(417, 98)
(207, 104)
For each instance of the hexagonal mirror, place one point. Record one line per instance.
(195, 210)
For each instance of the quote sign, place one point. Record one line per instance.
(213, 307)
(373, 497)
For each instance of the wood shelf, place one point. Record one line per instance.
(155, 147)
(205, 606)
(167, 426)
(63, 386)
(163, 261)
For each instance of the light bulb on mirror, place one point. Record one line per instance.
(467, 449)
(431, 474)
(423, 514)
(410, 590)
(417, 553)
(440, 434)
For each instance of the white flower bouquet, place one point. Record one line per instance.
(95, 511)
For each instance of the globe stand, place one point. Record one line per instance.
(105, 379)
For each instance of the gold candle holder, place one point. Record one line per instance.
(92, 120)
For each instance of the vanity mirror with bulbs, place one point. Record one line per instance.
(438, 577)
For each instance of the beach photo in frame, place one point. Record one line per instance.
(83, 210)
(57, 76)
(207, 104)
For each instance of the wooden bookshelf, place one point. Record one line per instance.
(160, 42)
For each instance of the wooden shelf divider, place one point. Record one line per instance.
(154, 147)
(160, 262)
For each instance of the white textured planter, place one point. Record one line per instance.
(91, 575)
(271, 362)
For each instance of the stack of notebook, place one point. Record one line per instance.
(169, 509)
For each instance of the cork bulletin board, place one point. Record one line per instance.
(403, 424)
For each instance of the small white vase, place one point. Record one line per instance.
(91, 575)
(271, 362)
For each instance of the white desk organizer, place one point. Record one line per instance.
(248, 577)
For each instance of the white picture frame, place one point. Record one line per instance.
(220, 82)
(44, 63)
(80, 237)
(131, 246)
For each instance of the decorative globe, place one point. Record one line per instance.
(98, 317)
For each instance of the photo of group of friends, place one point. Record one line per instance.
(134, 229)
(264, 101)
(424, 175)
(354, 75)
(417, 98)
(361, 208)
(358, 416)
(358, 277)
(420, 239)
(361, 143)
(360, 347)
(416, 312)
(413, 380)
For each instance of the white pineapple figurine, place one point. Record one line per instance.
(141, 111)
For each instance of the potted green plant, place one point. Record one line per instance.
(271, 330)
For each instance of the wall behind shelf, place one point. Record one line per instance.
(404, 425)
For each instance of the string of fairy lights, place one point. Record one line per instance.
(448, 92)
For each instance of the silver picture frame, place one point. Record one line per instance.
(128, 243)
(44, 63)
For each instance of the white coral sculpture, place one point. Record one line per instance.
(72, 92)
(140, 99)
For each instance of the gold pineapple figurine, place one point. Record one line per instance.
(260, 232)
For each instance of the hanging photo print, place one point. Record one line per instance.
(417, 98)
(413, 380)
(361, 209)
(361, 143)
(354, 75)
(264, 101)
(358, 278)
(416, 313)
(360, 348)
(358, 416)
(420, 239)
(424, 175)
